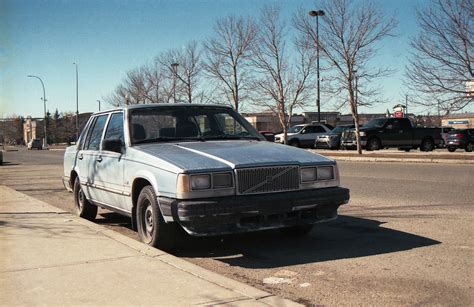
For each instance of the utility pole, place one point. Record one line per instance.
(318, 101)
(174, 68)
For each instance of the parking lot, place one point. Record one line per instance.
(406, 238)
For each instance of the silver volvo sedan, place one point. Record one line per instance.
(201, 168)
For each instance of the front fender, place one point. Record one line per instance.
(161, 186)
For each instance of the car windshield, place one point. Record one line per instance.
(189, 123)
(295, 129)
(375, 123)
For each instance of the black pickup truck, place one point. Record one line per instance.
(393, 132)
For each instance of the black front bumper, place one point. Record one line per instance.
(244, 213)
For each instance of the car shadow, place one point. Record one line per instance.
(6, 163)
(112, 218)
(345, 238)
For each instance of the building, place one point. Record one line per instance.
(459, 121)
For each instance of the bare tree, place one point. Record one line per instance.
(188, 69)
(282, 81)
(441, 63)
(228, 54)
(348, 36)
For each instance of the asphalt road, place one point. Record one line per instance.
(406, 238)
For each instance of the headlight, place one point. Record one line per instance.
(200, 182)
(326, 173)
(197, 182)
(362, 133)
(222, 180)
(309, 174)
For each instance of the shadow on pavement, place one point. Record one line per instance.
(347, 237)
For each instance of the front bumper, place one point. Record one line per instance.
(245, 213)
(353, 142)
(327, 143)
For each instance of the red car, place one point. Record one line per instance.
(460, 138)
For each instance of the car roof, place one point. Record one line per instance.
(163, 105)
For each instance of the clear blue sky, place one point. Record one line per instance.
(109, 37)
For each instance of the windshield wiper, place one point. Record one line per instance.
(232, 137)
(168, 139)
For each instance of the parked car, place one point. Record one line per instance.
(393, 132)
(34, 143)
(460, 138)
(268, 135)
(332, 140)
(201, 168)
(303, 135)
(444, 136)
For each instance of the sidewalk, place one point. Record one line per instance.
(393, 155)
(50, 257)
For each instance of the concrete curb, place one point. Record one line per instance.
(407, 160)
(396, 156)
(159, 255)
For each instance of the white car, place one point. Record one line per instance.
(202, 168)
(303, 135)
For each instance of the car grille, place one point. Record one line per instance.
(268, 179)
(348, 135)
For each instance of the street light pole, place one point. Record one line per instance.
(174, 67)
(99, 104)
(318, 99)
(45, 140)
(77, 102)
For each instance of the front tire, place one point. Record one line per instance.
(294, 143)
(373, 144)
(152, 228)
(82, 207)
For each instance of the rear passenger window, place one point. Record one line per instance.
(93, 138)
(319, 129)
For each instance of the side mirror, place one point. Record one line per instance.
(114, 145)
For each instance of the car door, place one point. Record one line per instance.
(389, 134)
(308, 136)
(87, 156)
(109, 166)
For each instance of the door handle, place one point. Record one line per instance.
(80, 157)
(99, 159)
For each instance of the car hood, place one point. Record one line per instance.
(231, 154)
(280, 135)
(329, 134)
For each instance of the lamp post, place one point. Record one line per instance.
(45, 140)
(77, 103)
(99, 104)
(318, 101)
(174, 68)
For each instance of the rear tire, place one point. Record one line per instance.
(82, 207)
(469, 147)
(152, 228)
(427, 145)
(451, 149)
